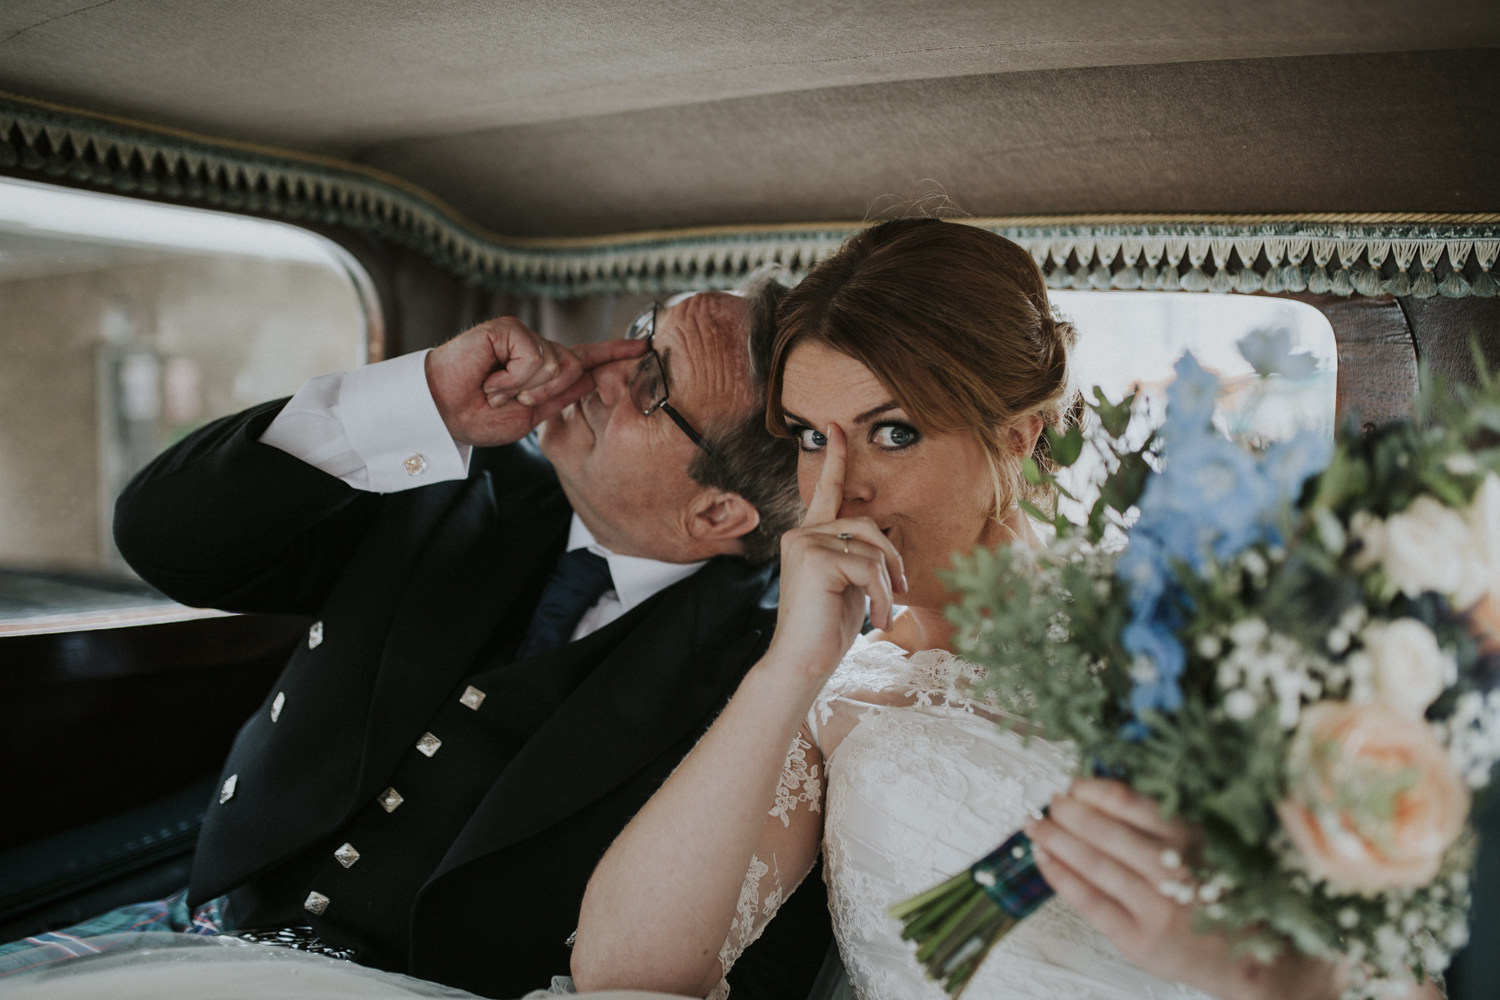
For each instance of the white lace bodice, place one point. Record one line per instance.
(920, 784)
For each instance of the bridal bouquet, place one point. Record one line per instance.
(1293, 651)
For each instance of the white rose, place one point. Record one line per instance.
(1370, 530)
(1409, 670)
(1483, 517)
(1426, 548)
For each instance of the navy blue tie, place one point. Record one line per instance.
(580, 579)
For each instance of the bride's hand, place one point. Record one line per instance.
(828, 567)
(1107, 852)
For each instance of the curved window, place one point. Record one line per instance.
(1130, 341)
(125, 325)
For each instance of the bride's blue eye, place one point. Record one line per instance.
(809, 439)
(896, 436)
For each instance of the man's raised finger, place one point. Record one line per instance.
(602, 353)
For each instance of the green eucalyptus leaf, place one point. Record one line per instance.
(1115, 417)
(1123, 486)
(1065, 448)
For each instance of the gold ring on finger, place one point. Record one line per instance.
(843, 537)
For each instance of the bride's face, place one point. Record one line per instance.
(930, 493)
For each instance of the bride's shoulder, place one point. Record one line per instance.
(877, 666)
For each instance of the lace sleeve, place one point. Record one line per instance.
(787, 849)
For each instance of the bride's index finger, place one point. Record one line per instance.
(828, 495)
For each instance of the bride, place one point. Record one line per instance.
(915, 368)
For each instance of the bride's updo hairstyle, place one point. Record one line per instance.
(954, 321)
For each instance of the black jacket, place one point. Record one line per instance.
(407, 589)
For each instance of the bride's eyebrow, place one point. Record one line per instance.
(869, 415)
(863, 418)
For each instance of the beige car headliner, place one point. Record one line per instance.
(579, 117)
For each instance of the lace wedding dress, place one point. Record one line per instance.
(920, 784)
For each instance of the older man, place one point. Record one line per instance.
(513, 646)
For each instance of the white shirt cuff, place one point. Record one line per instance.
(376, 428)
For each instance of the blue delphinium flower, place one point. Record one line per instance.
(1158, 665)
(1212, 500)
(1288, 464)
(1190, 399)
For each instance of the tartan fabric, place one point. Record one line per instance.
(1009, 876)
(170, 915)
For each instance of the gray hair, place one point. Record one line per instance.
(752, 462)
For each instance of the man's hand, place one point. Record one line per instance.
(495, 383)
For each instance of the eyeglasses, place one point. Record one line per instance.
(648, 386)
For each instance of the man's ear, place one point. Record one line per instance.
(718, 516)
(1023, 434)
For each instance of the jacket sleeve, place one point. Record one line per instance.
(222, 520)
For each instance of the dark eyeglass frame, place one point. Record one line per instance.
(644, 328)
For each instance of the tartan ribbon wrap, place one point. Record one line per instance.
(1009, 876)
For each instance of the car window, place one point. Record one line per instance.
(124, 326)
(1130, 341)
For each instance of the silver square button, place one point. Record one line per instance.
(315, 635)
(471, 698)
(390, 799)
(278, 705)
(226, 792)
(346, 855)
(428, 744)
(315, 903)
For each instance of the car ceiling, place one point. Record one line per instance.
(576, 118)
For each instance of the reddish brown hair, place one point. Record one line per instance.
(953, 320)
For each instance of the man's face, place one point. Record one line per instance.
(626, 474)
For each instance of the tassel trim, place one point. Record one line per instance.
(1372, 254)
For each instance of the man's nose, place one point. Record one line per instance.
(612, 381)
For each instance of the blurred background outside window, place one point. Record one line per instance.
(1130, 341)
(124, 326)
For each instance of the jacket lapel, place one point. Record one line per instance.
(674, 665)
(469, 572)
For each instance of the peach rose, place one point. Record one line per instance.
(1374, 802)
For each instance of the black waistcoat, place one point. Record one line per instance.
(372, 870)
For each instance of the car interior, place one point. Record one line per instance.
(202, 204)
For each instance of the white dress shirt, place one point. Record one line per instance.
(378, 429)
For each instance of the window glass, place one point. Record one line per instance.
(124, 326)
(1129, 341)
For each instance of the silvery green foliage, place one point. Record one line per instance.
(1281, 617)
